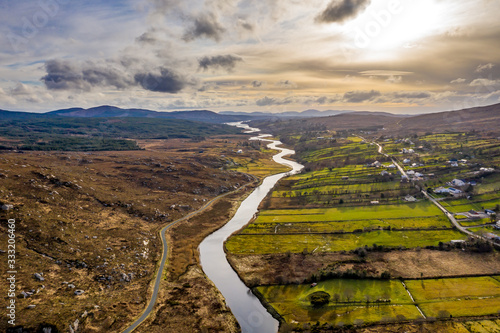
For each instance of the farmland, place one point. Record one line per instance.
(352, 205)
(368, 301)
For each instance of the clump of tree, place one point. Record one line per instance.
(319, 298)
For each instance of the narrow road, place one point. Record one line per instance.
(164, 256)
(450, 216)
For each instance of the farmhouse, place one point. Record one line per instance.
(454, 191)
(441, 190)
(406, 161)
(472, 214)
(410, 198)
(374, 202)
(385, 173)
(457, 182)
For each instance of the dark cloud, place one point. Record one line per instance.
(165, 81)
(227, 62)
(63, 75)
(246, 25)
(360, 96)
(207, 26)
(257, 84)
(340, 10)
(413, 94)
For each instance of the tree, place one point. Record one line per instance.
(319, 298)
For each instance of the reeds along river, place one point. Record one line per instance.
(250, 313)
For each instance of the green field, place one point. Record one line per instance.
(475, 296)
(452, 288)
(419, 209)
(346, 226)
(356, 300)
(276, 243)
(348, 301)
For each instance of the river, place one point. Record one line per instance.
(246, 307)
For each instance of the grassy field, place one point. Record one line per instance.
(475, 296)
(260, 167)
(346, 226)
(419, 209)
(348, 302)
(453, 288)
(355, 301)
(276, 243)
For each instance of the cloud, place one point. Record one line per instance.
(359, 96)
(286, 84)
(21, 89)
(484, 83)
(339, 11)
(207, 26)
(413, 94)
(267, 101)
(482, 68)
(458, 81)
(147, 38)
(227, 62)
(166, 81)
(394, 79)
(257, 84)
(245, 25)
(63, 75)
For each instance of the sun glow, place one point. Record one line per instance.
(392, 25)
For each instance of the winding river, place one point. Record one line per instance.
(246, 307)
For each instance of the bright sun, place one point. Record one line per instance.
(391, 25)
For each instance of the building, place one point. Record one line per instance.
(410, 198)
(441, 190)
(457, 182)
(454, 191)
(406, 161)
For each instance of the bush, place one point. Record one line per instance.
(319, 298)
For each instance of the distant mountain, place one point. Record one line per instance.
(480, 119)
(287, 114)
(107, 111)
(5, 115)
(486, 118)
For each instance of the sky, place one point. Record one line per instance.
(400, 56)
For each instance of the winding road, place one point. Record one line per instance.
(164, 256)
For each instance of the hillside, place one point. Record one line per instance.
(480, 119)
(64, 133)
(107, 111)
(485, 118)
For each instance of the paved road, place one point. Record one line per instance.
(164, 256)
(450, 216)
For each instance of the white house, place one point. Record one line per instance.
(392, 166)
(441, 190)
(455, 191)
(410, 173)
(410, 198)
(406, 161)
(457, 182)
